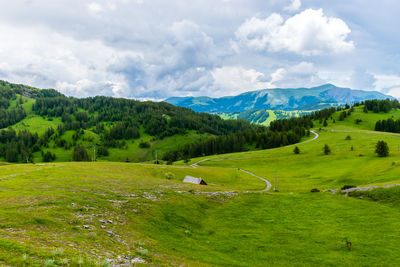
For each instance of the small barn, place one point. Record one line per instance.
(194, 180)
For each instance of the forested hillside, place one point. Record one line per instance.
(75, 124)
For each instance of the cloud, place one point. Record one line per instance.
(304, 74)
(95, 8)
(234, 80)
(294, 6)
(388, 84)
(157, 49)
(307, 33)
(362, 79)
(41, 57)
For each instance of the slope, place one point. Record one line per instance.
(42, 125)
(103, 213)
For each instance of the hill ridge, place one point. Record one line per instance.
(286, 99)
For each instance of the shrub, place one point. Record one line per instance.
(315, 190)
(102, 151)
(348, 137)
(169, 176)
(144, 145)
(296, 150)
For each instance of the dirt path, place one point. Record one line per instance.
(269, 185)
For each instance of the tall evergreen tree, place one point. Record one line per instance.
(327, 149)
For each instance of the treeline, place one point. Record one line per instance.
(9, 116)
(236, 142)
(389, 125)
(16, 147)
(380, 105)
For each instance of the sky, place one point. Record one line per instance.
(155, 49)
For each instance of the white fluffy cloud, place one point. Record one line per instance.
(310, 32)
(238, 80)
(304, 74)
(294, 6)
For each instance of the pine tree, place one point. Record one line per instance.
(382, 149)
(325, 123)
(327, 150)
(296, 150)
(80, 154)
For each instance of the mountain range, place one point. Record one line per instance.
(291, 99)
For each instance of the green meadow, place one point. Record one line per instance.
(110, 213)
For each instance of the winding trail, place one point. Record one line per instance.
(269, 185)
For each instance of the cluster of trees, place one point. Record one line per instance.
(15, 147)
(236, 142)
(48, 156)
(380, 105)
(9, 116)
(389, 125)
(80, 154)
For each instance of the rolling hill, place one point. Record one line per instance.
(110, 213)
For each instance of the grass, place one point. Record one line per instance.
(54, 214)
(39, 124)
(43, 210)
(312, 169)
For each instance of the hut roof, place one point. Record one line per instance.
(194, 180)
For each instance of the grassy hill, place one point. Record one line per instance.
(35, 122)
(59, 213)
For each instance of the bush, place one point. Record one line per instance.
(102, 151)
(144, 145)
(348, 137)
(296, 150)
(169, 176)
(347, 187)
(315, 190)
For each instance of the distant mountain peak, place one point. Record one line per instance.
(287, 99)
